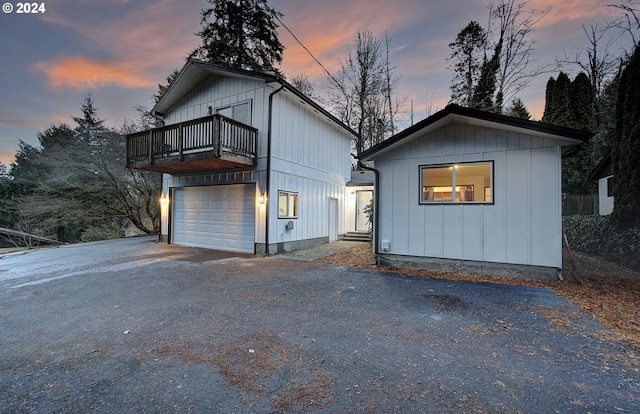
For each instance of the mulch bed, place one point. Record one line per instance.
(609, 292)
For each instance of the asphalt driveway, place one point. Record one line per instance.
(137, 326)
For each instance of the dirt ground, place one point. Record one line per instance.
(608, 292)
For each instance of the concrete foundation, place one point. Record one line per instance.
(290, 246)
(511, 270)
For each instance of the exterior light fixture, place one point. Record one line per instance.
(164, 200)
(262, 198)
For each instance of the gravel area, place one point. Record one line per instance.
(609, 292)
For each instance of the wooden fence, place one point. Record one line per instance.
(583, 205)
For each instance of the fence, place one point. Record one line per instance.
(582, 205)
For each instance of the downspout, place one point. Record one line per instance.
(268, 178)
(376, 208)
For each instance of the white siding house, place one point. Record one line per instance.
(249, 163)
(469, 191)
(604, 174)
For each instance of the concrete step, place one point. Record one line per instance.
(361, 236)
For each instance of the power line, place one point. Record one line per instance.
(307, 50)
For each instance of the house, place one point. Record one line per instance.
(474, 192)
(604, 174)
(248, 163)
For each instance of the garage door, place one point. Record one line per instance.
(220, 217)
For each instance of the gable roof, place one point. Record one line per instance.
(459, 114)
(195, 72)
(603, 169)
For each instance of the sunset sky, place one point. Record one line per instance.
(119, 50)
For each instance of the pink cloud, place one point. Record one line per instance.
(82, 73)
(567, 10)
(153, 37)
(326, 28)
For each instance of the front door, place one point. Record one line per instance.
(363, 198)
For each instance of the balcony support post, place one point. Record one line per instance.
(216, 133)
(181, 143)
(151, 147)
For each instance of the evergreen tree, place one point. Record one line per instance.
(486, 88)
(570, 104)
(240, 34)
(558, 108)
(518, 109)
(163, 88)
(582, 97)
(625, 152)
(77, 182)
(467, 54)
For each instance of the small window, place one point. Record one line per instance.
(610, 186)
(240, 112)
(287, 204)
(457, 183)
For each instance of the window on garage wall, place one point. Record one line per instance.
(240, 112)
(470, 182)
(287, 204)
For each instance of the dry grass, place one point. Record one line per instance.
(607, 291)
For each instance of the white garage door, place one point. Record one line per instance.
(220, 217)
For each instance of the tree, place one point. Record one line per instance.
(303, 84)
(486, 87)
(569, 104)
(76, 182)
(629, 22)
(240, 34)
(486, 83)
(163, 88)
(516, 22)
(359, 91)
(625, 154)
(467, 54)
(557, 108)
(518, 109)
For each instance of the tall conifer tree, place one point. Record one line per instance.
(625, 153)
(240, 34)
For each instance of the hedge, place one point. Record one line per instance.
(600, 236)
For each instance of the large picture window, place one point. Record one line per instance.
(457, 183)
(287, 204)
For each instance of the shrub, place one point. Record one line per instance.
(601, 236)
(103, 232)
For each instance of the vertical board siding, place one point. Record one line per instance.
(546, 246)
(521, 227)
(518, 207)
(310, 156)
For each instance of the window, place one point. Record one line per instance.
(457, 183)
(287, 204)
(610, 186)
(240, 112)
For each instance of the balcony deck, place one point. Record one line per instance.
(210, 143)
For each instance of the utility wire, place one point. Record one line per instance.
(308, 51)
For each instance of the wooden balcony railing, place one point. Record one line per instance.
(211, 142)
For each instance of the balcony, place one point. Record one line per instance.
(211, 143)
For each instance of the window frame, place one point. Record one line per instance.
(296, 205)
(232, 107)
(454, 184)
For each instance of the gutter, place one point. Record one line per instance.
(268, 178)
(376, 210)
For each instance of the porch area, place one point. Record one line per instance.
(213, 142)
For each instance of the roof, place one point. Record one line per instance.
(603, 169)
(361, 178)
(459, 114)
(195, 72)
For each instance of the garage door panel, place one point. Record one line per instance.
(220, 217)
